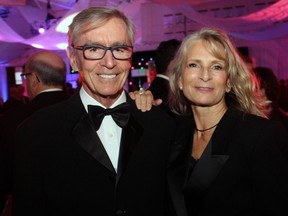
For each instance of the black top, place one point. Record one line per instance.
(201, 174)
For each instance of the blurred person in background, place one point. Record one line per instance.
(12, 101)
(45, 75)
(283, 95)
(24, 99)
(160, 88)
(269, 86)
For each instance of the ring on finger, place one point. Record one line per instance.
(141, 92)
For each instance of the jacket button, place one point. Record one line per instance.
(120, 212)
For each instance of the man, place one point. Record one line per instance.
(69, 161)
(160, 86)
(45, 74)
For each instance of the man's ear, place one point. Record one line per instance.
(35, 82)
(72, 58)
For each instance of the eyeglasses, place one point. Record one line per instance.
(97, 52)
(24, 75)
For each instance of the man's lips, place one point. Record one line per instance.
(107, 76)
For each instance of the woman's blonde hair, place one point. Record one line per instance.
(244, 94)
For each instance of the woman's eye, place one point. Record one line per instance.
(217, 67)
(192, 65)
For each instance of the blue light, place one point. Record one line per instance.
(3, 84)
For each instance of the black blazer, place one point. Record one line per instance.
(246, 173)
(8, 124)
(61, 167)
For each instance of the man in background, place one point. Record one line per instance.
(45, 74)
(160, 85)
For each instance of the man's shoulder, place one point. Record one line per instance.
(155, 119)
(54, 113)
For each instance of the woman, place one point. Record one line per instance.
(233, 163)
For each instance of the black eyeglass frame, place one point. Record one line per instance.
(23, 75)
(111, 48)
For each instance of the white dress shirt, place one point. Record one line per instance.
(109, 132)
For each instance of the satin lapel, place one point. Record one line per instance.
(217, 152)
(85, 135)
(179, 158)
(181, 146)
(130, 137)
(226, 133)
(207, 169)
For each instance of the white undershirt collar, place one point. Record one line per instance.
(163, 76)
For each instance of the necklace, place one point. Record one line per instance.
(203, 130)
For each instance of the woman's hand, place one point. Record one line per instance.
(144, 100)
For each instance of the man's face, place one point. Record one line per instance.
(103, 79)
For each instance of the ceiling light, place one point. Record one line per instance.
(62, 27)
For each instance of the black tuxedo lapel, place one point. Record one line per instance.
(130, 137)
(226, 133)
(179, 158)
(217, 151)
(87, 137)
(206, 169)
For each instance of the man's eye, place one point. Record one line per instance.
(94, 49)
(119, 49)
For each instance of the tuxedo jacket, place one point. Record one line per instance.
(8, 124)
(160, 88)
(61, 167)
(245, 174)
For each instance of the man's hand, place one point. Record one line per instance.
(144, 100)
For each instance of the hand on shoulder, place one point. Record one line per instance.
(144, 100)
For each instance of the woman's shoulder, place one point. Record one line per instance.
(247, 118)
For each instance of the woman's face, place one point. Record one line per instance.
(204, 80)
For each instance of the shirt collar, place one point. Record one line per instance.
(163, 76)
(88, 100)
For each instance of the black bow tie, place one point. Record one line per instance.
(120, 114)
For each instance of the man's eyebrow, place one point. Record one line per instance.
(92, 44)
(99, 44)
